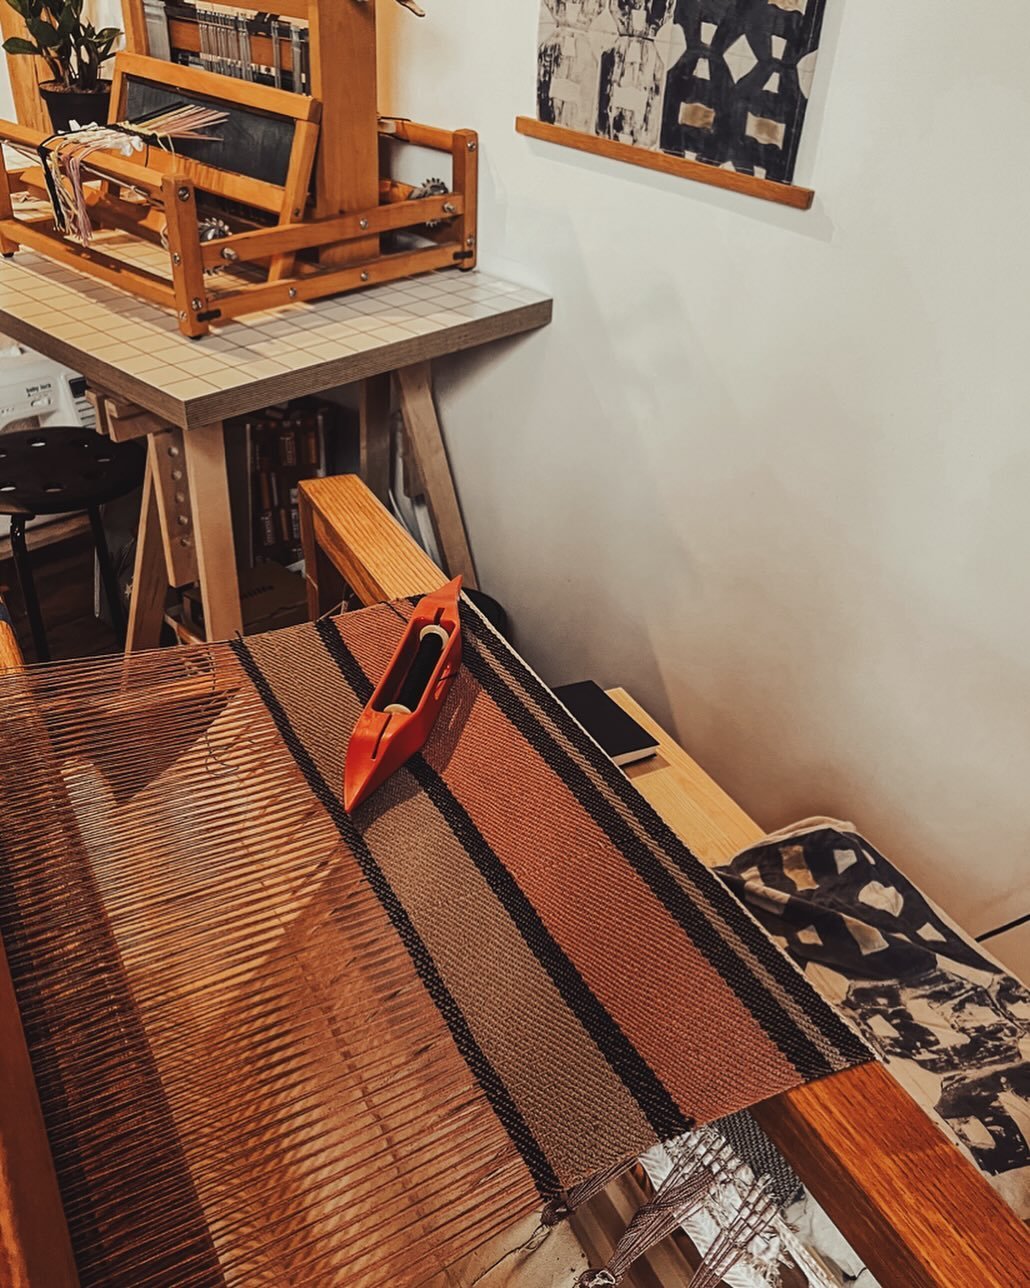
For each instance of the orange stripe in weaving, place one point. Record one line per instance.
(660, 990)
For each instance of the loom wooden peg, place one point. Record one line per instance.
(401, 712)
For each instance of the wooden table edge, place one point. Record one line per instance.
(241, 400)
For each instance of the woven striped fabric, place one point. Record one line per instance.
(602, 985)
(277, 1044)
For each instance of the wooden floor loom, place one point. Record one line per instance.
(296, 203)
(908, 1202)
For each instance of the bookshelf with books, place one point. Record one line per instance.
(268, 453)
(285, 444)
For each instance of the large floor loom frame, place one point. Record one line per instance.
(306, 256)
(908, 1201)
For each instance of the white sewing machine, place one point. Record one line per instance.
(38, 391)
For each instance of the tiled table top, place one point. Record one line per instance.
(134, 349)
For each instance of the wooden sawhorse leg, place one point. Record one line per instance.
(425, 438)
(185, 535)
(376, 441)
(149, 577)
(212, 531)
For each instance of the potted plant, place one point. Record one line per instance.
(74, 50)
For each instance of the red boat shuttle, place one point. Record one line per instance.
(401, 712)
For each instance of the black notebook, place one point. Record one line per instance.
(617, 733)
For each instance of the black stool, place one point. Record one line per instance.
(60, 470)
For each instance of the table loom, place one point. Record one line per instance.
(911, 1206)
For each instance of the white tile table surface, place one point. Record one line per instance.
(134, 349)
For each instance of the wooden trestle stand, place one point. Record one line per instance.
(305, 241)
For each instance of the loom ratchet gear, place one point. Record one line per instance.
(429, 188)
(400, 714)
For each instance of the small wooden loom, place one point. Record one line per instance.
(329, 221)
(906, 1199)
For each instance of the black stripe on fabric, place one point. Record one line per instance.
(486, 1075)
(791, 1039)
(640, 1080)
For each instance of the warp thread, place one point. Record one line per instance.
(756, 1212)
(698, 1167)
(528, 1247)
(63, 156)
(561, 1208)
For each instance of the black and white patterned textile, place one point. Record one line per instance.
(720, 81)
(951, 1024)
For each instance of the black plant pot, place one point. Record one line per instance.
(86, 106)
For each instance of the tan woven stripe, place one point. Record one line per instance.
(576, 1106)
(695, 890)
(699, 1038)
(670, 1001)
(685, 1020)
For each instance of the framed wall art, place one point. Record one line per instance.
(712, 89)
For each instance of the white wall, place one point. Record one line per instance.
(771, 470)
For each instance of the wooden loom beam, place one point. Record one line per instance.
(116, 272)
(10, 654)
(35, 1250)
(290, 237)
(342, 47)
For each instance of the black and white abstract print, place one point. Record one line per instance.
(720, 81)
(952, 1026)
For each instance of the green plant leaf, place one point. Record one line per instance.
(72, 46)
(16, 45)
